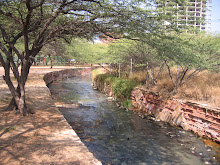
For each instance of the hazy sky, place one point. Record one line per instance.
(215, 24)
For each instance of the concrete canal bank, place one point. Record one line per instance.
(116, 136)
(204, 121)
(42, 138)
(57, 75)
(47, 138)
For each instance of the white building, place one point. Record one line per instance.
(190, 14)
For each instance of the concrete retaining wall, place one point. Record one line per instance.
(190, 116)
(57, 75)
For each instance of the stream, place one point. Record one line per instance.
(116, 136)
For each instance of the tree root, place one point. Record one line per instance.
(13, 107)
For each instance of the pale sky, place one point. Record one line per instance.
(215, 23)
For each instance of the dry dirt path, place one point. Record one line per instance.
(42, 138)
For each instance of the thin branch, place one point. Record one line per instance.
(183, 74)
(71, 28)
(15, 38)
(14, 69)
(193, 74)
(4, 34)
(16, 51)
(11, 44)
(168, 67)
(155, 83)
(48, 22)
(161, 67)
(11, 16)
(4, 50)
(2, 61)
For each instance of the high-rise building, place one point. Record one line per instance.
(194, 14)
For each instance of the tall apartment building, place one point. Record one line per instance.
(191, 14)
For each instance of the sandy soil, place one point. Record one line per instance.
(42, 138)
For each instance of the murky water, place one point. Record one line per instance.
(116, 136)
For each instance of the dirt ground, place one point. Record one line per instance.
(42, 138)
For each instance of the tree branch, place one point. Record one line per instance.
(4, 50)
(2, 61)
(11, 16)
(169, 71)
(25, 28)
(4, 34)
(48, 22)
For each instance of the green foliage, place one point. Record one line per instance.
(99, 52)
(119, 50)
(85, 51)
(121, 87)
(207, 49)
(186, 50)
(95, 72)
(50, 21)
(104, 78)
(127, 103)
(124, 49)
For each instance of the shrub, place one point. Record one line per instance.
(121, 87)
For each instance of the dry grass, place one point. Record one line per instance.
(203, 88)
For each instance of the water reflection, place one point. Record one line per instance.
(115, 136)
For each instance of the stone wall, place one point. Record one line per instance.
(190, 116)
(201, 120)
(53, 76)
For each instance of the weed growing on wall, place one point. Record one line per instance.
(121, 87)
(127, 103)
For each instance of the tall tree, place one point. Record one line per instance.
(191, 54)
(36, 23)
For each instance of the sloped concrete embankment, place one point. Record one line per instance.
(190, 116)
(42, 138)
(86, 156)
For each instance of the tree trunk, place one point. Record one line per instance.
(131, 69)
(51, 62)
(18, 101)
(147, 76)
(12, 105)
